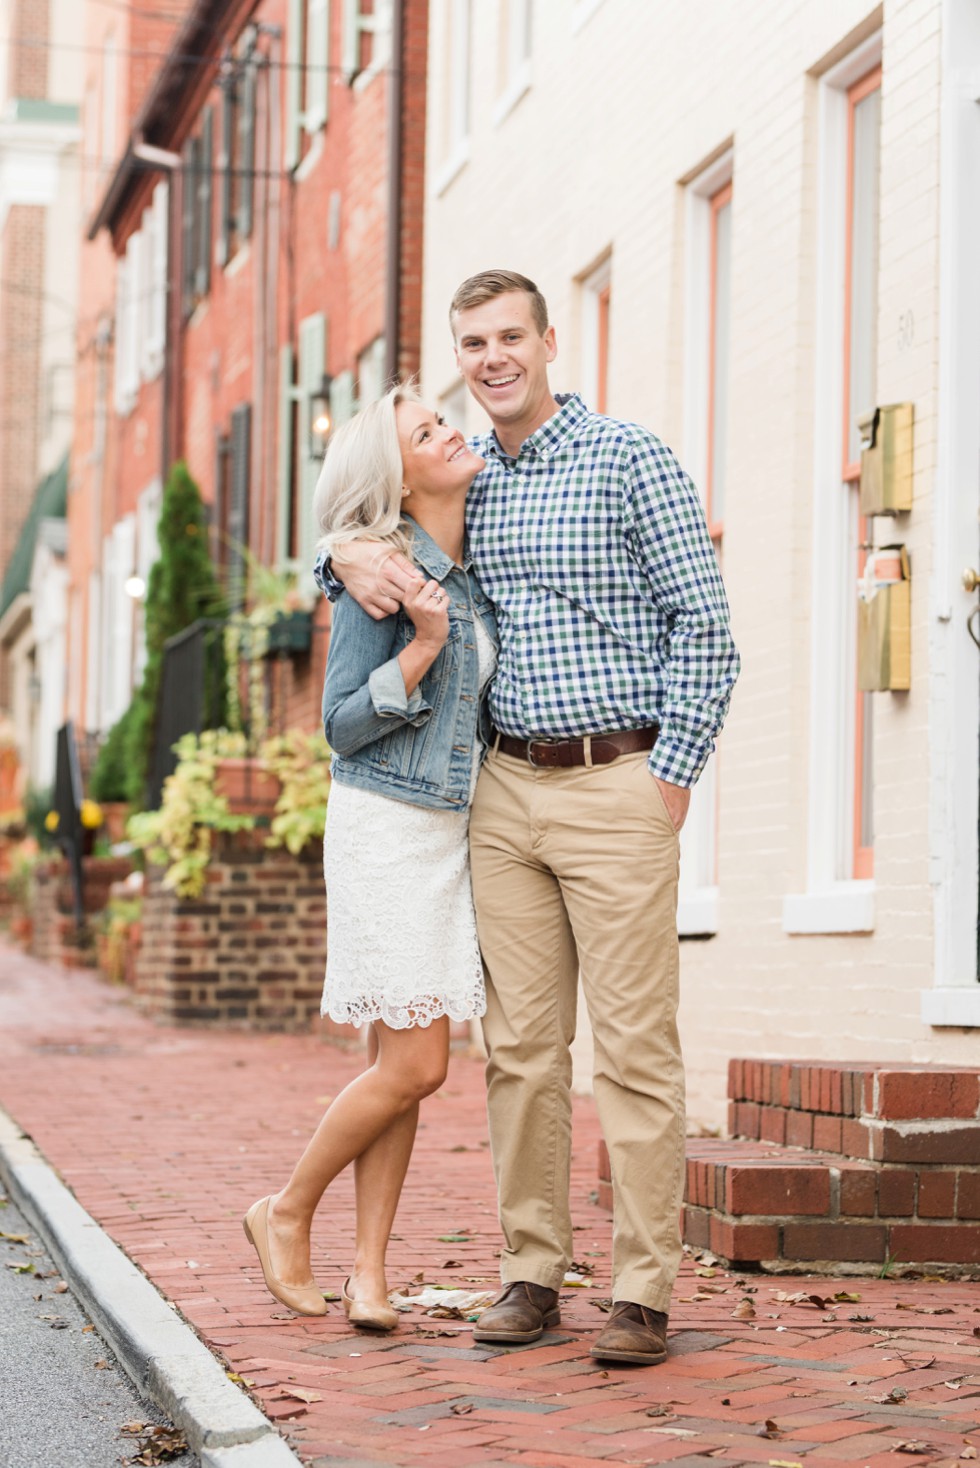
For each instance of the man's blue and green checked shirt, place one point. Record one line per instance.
(593, 545)
(611, 611)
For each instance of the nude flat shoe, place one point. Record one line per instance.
(378, 1315)
(304, 1299)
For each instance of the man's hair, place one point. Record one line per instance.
(484, 287)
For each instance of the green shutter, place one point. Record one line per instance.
(312, 362)
(351, 59)
(284, 484)
(294, 82)
(225, 154)
(317, 59)
(202, 273)
(343, 403)
(246, 151)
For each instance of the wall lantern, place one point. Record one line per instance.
(320, 419)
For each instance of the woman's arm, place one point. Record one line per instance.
(368, 692)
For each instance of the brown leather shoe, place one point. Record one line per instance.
(633, 1333)
(521, 1312)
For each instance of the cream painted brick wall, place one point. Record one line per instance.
(592, 159)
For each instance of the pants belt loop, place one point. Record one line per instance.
(496, 743)
(587, 751)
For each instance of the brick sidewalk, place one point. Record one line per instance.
(166, 1136)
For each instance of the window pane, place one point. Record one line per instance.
(864, 266)
(720, 352)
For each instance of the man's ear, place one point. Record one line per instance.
(551, 344)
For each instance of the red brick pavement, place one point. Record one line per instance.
(167, 1135)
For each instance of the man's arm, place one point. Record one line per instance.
(377, 577)
(668, 535)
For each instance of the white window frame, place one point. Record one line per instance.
(830, 903)
(518, 58)
(583, 11)
(148, 506)
(456, 80)
(593, 285)
(954, 686)
(371, 372)
(118, 555)
(379, 23)
(697, 893)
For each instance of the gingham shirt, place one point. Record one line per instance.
(593, 545)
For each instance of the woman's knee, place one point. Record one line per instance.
(425, 1078)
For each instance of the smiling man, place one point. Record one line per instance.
(615, 670)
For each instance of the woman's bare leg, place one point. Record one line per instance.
(410, 1064)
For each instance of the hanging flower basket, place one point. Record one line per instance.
(291, 632)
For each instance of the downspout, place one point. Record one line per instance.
(394, 228)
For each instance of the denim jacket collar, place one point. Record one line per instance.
(433, 560)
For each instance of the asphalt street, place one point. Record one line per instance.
(64, 1399)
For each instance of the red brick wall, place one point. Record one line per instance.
(27, 66)
(21, 282)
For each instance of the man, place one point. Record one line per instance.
(615, 670)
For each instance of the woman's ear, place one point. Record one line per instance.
(405, 492)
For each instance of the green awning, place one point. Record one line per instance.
(50, 502)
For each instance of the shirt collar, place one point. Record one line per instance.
(546, 440)
(431, 557)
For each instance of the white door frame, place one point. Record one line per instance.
(954, 661)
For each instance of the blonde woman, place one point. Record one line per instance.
(404, 711)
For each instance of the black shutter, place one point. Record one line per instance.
(241, 440)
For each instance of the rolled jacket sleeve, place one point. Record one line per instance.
(364, 694)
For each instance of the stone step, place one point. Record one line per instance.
(759, 1204)
(870, 1112)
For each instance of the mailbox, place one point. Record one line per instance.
(886, 459)
(884, 621)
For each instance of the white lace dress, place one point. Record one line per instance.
(401, 932)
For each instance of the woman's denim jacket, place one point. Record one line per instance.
(419, 748)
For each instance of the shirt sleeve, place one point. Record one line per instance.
(364, 694)
(668, 536)
(325, 579)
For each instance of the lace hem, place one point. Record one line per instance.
(403, 1014)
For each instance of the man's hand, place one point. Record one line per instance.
(677, 799)
(377, 577)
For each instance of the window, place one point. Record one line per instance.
(196, 221)
(839, 894)
(860, 342)
(367, 37)
(300, 378)
(236, 160)
(708, 249)
(109, 121)
(141, 303)
(308, 73)
(147, 551)
(236, 515)
(513, 55)
(594, 374)
(454, 97)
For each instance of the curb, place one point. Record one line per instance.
(165, 1359)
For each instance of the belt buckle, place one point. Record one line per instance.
(530, 757)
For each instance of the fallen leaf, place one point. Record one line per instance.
(744, 1310)
(913, 1446)
(969, 1451)
(300, 1393)
(706, 1273)
(862, 1318)
(432, 1334)
(60, 1288)
(659, 1411)
(461, 1408)
(133, 1428)
(769, 1429)
(784, 1463)
(897, 1394)
(845, 1297)
(20, 1268)
(462, 1237)
(453, 1264)
(15, 1238)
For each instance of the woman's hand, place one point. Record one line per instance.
(428, 608)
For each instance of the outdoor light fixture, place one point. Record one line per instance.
(320, 419)
(135, 587)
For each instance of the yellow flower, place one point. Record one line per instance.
(91, 815)
(51, 821)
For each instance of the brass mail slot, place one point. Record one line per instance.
(886, 459)
(884, 622)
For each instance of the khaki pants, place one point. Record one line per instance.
(577, 870)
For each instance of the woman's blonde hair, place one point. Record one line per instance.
(358, 495)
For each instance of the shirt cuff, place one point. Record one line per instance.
(386, 686)
(678, 762)
(325, 579)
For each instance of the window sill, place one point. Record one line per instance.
(310, 158)
(239, 259)
(846, 907)
(697, 913)
(453, 166)
(952, 1007)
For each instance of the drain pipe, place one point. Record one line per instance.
(394, 224)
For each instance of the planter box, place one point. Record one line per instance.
(248, 787)
(290, 633)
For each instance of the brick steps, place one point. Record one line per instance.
(889, 1172)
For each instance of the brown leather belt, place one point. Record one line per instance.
(550, 754)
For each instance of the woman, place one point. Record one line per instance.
(404, 712)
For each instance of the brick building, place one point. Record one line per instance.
(40, 171)
(752, 224)
(256, 241)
